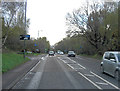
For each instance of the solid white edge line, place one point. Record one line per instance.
(35, 66)
(104, 80)
(90, 81)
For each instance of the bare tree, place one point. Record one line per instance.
(9, 12)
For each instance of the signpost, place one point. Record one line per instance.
(24, 37)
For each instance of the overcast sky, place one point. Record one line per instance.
(48, 17)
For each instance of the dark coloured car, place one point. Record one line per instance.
(71, 54)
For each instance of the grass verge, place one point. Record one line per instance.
(11, 60)
(33, 54)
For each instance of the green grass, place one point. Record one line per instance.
(11, 60)
(0, 63)
(96, 56)
(33, 54)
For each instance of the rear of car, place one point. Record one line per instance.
(71, 54)
(51, 53)
(61, 53)
(111, 64)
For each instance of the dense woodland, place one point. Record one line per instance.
(13, 25)
(92, 29)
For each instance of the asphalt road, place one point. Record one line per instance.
(62, 72)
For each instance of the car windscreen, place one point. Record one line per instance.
(51, 52)
(71, 52)
(118, 56)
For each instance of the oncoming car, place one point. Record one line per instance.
(71, 54)
(51, 53)
(111, 64)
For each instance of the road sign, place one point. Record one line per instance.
(80, 47)
(35, 44)
(24, 37)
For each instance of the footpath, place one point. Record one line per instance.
(10, 78)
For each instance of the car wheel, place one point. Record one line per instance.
(117, 75)
(102, 69)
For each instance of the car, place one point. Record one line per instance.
(51, 53)
(29, 52)
(111, 64)
(71, 54)
(61, 53)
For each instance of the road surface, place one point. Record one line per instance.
(62, 72)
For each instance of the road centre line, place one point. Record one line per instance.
(104, 80)
(90, 81)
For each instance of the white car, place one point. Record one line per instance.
(61, 53)
(29, 52)
(111, 64)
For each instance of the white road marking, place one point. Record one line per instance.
(42, 58)
(90, 81)
(77, 63)
(27, 78)
(71, 60)
(70, 66)
(81, 66)
(61, 59)
(101, 83)
(78, 68)
(89, 75)
(35, 66)
(104, 80)
(81, 58)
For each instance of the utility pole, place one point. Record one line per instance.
(38, 33)
(25, 25)
(119, 26)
